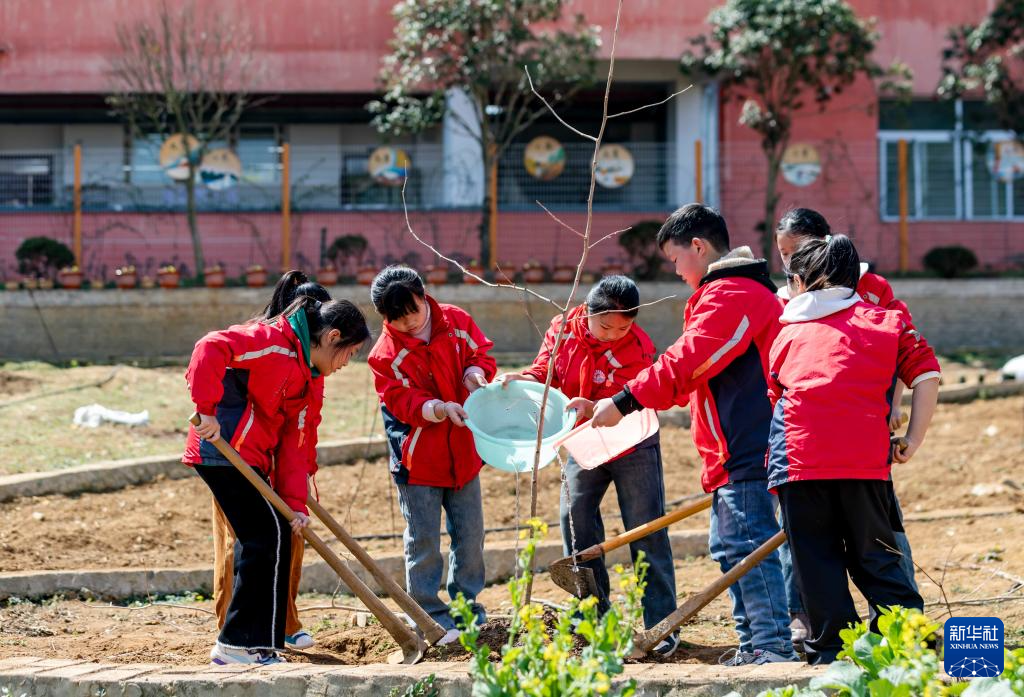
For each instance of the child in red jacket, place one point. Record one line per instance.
(797, 226)
(720, 367)
(602, 349)
(253, 384)
(834, 368)
(291, 285)
(427, 360)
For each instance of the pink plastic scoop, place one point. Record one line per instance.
(592, 447)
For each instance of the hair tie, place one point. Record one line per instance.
(828, 238)
(317, 304)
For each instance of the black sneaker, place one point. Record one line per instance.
(667, 646)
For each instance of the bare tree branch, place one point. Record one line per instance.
(651, 106)
(559, 220)
(610, 235)
(554, 113)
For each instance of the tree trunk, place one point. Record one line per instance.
(771, 200)
(193, 223)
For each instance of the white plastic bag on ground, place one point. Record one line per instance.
(95, 414)
(1014, 369)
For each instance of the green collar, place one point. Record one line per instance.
(297, 320)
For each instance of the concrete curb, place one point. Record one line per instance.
(317, 577)
(70, 678)
(118, 474)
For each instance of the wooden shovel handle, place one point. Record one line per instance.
(406, 638)
(646, 529)
(645, 641)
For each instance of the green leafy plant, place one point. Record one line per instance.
(898, 661)
(42, 256)
(347, 249)
(544, 658)
(950, 262)
(424, 687)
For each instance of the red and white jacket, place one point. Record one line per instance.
(872, 288)
(720, 366)
(254, 379)
(834, 367)
(408, 374)
(587, 367)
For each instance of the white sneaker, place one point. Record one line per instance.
(667, 646)
(222, 655)
(450, 637)
(299, 640)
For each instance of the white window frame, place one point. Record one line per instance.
(963, 174)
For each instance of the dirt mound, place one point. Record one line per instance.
(12, 384)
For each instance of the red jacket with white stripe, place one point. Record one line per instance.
(408, 373)
(587, 367)
(254, 379)
(834, 367)
(720, 366)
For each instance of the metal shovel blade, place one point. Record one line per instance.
(572, 578)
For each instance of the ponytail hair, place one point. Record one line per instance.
(289, 287)
(826, 263)
(323, 316)
(804, 222)
(614, 294)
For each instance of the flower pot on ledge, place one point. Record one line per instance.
(126, 278)
(473, 267)
(437, 275)
(327, 276)
(613, 269)
(168, 277)
(70, 278)
(564, 273)
(533, 272)
(214, 277)
(255, 276)
(365, 275)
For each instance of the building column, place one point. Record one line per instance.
(693, 115)
(463, 160)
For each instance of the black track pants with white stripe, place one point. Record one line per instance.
(256, 615)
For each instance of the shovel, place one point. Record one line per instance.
(643, 642)
(413, 647)
(432, 631)
(579, 580)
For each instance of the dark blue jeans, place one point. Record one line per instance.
(424, 566)
(742, 519)
(640, 488)
(796, 605)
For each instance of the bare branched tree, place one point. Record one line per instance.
(587, 243)
(183, 72)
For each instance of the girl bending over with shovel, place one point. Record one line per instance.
(253, 385)
(292, 285)
(602, 349)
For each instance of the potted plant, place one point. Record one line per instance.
(97, 283)
(70, 277)
(564, 273)
(11, 284)
(365, 274)
(346, 253)
(30, 283)
(255, 276)
(126, 277)
(437, 274)
(42, 257)
(147, 283)
(476, 267)
(533, 272)
(327, 275)
(168, 276)
(214, 276)
(640, 244)
(45, 284)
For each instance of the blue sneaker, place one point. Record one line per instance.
(299, 640)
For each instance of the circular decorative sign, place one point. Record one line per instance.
(1006, 160)
(220, 169)
(544, 158)
(801, 164)
(389, 166)
(175, 156)
(614, 166)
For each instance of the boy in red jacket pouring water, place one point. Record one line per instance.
(720, 366)
(834, 368)
(602, 349)
(428, 359)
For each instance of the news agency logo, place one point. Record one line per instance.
(973, 647)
